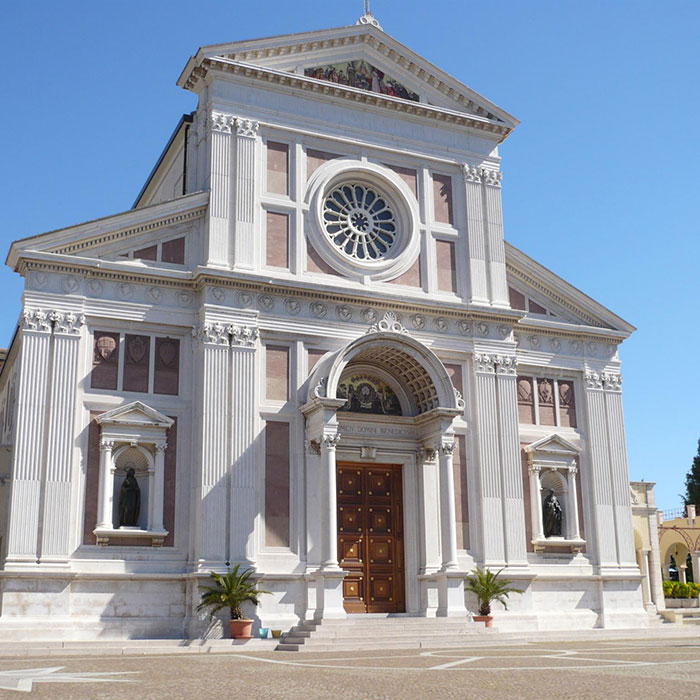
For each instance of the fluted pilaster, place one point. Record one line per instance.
(244, 224)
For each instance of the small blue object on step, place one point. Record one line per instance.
(263, 632)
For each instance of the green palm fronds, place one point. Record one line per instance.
(231, 590)
(487, 587)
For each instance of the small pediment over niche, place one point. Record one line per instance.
(553, 445)
(135, 414)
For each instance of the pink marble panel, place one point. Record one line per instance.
(277, 167)
(442, 198)
(315, 263)
(276, 484)
(313, 357)
(167, 366)
(105, 360)
(315, 159)
(408, 175)
(277, 372)
(535, 308)
(446, 268)
(517, 300)
(136, 360)
(173, 251)
(410, 278)
(277, 246)
(459, 465)
(149, 253)
(455, 372)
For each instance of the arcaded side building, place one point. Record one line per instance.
(308, 348)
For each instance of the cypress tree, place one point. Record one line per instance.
(692, 482)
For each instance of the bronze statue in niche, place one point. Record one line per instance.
(551, 515)
(129, 500)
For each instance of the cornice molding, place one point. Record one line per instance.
(382, 45)
(356, 95)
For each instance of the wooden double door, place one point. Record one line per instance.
(370, 537)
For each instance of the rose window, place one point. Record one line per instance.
(359, 221)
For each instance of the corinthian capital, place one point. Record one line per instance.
(223, 123)
(243, 336)
(330, 442)
(247, 127)
(211, 334)
(471, 173)
(612, 381)
(491, 177)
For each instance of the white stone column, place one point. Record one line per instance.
(656, 577)
(245, 195)
(572, 519)
(494, 236)
(221, 163)
(478, 271)
(158, 488)
(513, 505)
(448, 524)
(28, 454)
(212, 360)
(536, 502)
(646, 587)
(243, 420)
(430, 559)
(619, 472)
(61, 434)
(492, 544)
(681, 572)
(329, 557)
(599, 469)
(105, 503)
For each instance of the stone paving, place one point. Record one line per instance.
(649, 668)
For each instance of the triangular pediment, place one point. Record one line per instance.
(115, 235)
(548, 299)
(135, 414)
(554, 445)
(360, 56)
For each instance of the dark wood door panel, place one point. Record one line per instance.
(370, 537)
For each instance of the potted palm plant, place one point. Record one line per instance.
(487, 587)
(230, 591)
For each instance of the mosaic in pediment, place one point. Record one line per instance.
(362, 75)
(366, 394)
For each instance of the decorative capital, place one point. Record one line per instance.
(330, 442)
(161, 447)
(534, 468)
(389, 323)
(593, 380)
(446, 448)
(612, 381)
(506, 364)
(106, 445)
(68, 323)
(313, 447)
(223, 123)
(485, 363)
(35, 320)
(425, 455)
(247, 128)
(491, 177)
(211, 334)
(471, 173)
(244, 336)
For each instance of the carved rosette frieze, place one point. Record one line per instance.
(247, 128)
(65, 322)
(223, 123)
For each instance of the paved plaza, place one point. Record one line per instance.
(649, 668)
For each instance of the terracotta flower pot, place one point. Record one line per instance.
(241, 629)
(486, 619)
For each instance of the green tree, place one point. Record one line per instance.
(692, 482)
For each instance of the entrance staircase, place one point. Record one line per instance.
(394, 631)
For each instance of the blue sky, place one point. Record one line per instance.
(600, 179)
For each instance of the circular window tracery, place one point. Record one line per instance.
(359, 221)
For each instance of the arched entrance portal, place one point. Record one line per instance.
(381, 408)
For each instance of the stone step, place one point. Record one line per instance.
(376, 645)
(353, 635)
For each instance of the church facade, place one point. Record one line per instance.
(307, 348)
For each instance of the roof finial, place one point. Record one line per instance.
(368, 17)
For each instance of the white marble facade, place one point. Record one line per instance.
(333, 205)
